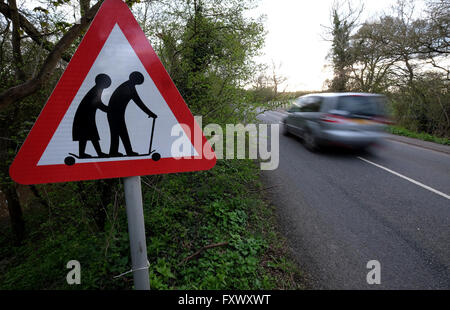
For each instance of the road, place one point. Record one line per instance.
(340, 209)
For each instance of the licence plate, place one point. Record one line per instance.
(362, 121)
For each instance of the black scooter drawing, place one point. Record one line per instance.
(70, 160)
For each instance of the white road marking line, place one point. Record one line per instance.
(406, 178)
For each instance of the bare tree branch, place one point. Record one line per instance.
(17, 54)
(32, 32)
(84, 6)
(21, 91)
(215, 245)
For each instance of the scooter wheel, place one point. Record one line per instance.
(156, 156)
(69, 161)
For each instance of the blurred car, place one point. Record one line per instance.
(355, 120)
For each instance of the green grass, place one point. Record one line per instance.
(417, 135)
(183, 213)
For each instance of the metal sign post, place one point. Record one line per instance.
(136, 230)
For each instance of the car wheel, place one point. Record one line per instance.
(310, 141)
(284, 130)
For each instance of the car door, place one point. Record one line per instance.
(291, 120)
(309, 114)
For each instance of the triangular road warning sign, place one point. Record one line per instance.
(115, 112)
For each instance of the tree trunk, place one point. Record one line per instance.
(17, 54)
(15, 212)
(84, 6)
(107, 194)
(95, 207)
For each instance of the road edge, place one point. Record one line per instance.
(419, 143)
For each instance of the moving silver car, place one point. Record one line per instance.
(355, 120)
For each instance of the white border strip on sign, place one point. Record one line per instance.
(406, 178)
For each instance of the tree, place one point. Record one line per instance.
(343, 22)
(402, 55)
(371, 67)
(413, 42)
(266, 84)
(208, 48)
(21, 79)
(33, 84)
(435, 42)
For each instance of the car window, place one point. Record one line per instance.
(312, 104)
(299, 101)
(362, 105)
(294, 108)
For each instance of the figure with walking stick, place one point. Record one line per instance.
(116, 113)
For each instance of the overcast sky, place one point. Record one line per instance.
(295, 37)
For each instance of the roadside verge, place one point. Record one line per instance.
(420, 143)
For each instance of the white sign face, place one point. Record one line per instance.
(117, 60)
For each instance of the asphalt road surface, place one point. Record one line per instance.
(340, 209)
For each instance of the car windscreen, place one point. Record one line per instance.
(362, 105)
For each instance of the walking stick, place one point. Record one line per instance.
(151, 137)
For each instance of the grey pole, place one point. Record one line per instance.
(136, 230)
